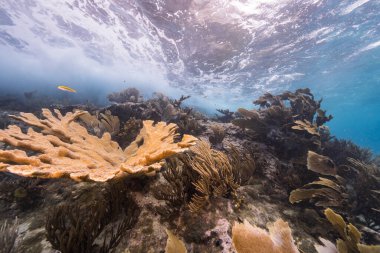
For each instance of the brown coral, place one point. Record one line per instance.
(195, 178)
(107, 123)
(174, 244)
(63, 147)
(70, 228)
(349, 234)
(305, 125)
(286, 121)
(251, 239)
(218, 134)
(128, 95)
(216, 175)
(320, 164)
(324, 192)
(145, 153)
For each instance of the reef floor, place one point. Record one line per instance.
(276, 161)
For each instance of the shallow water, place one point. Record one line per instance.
(224, 55)
(224, 58)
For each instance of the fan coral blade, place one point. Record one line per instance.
(368, 248)
(250, 239)
(330, 196)
(174, 244)
(327, 247)
(320, 164)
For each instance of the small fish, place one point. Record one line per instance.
(66, 88)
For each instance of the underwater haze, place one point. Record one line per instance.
(224, 53)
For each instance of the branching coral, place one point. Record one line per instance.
(178, 102)
(366, 189)
(127, 95)
(304, 125)
(339, 150)
(63, 147)
(71, 229)
(227, 115)
(194, 179)
(8, 237)
(215, 175)
(287, 121)
(178, 190)
(145, 153)
(251, 239)
(218, 134)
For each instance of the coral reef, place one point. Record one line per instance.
(67, 149)
(128, 95)
(106, 123)
(323, 192)
(254, 169)
(128, 133)
(177, 189)
(227, 115)
(320, 164)
(160, 108)
(250, 239)
(194, 180)
(22, 192)
(339, 150)
(217, 136)
(215, 175)
(70, 228)
(287, 121)
(365, 197)
(145, 153)
(349, 234)
(243, 163)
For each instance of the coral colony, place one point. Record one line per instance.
(267, 180)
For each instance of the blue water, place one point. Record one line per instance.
(224, 53)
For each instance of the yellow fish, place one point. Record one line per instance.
(66, 88)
